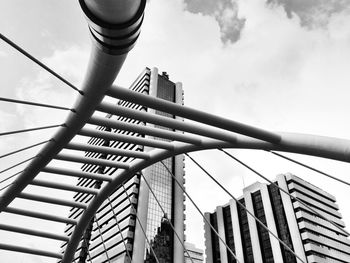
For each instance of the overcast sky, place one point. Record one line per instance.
(281, 65)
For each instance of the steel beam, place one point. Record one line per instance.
(33, 232)
(65, 187)
(147, 130)
(192, 114)
(125, 138)
(87, 160)
(194, 128)
(43, 216)
(51, 200)
(30, 251)
(106, 150)
(70, 172)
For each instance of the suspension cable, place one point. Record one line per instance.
(247, 210)
(34, 104)
(284, 191)
(13, 166)
(119, 229)
(103, 242)
(22, 149)
(309, 167)
(143, 230)
(32, 129)
(25, 53)
(163, 211)
(200, 212)
(4, 180)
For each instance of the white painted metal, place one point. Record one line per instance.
(39, 215)
(66, 187)
(96, 161)
(70, 172)
(142, 129)
(192, 114)
(51, 200)
(33, 232)
(106, 150)
(32, 251)
(125, 138)
(106, 60)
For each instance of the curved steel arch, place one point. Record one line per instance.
(290, 142)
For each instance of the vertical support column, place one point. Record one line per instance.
(271, 224)
(178, 193)
(254, 237)
(208, 239)
(221, 231)
(236, 231)
(291, 219)
(142, 208)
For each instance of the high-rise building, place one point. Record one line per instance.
(311, 237)
(110, 240)
(193, 254)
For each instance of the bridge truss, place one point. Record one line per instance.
(113, 36)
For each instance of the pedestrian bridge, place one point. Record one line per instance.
(114, 28)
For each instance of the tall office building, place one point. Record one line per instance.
(103, 241)
(312, 238)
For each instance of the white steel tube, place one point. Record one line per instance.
(193, 114)
(65, 187)
(126, 138)
(39, 215)
(52, 200)
(107, 150)
(33, 232)
(194, 128)
(96, 161)
(147, 130)
(107, 56)
(70, 172)
(30, 251)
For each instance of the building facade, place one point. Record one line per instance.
(134, 206)
(193, 254)
(311, 237)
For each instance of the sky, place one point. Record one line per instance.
(280, 65)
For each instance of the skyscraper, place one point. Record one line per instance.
(134, 206)
(311, 237)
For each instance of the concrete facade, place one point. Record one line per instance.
(305, 232)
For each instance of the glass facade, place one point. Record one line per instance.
(281, 223)
(229, 233)
(162, 185)
(265, 244)
(215, 239)
(245, 233)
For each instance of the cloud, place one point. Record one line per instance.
(3, 53)
(8, 123)
(71, 64)
(225, 13)
(312, 13)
